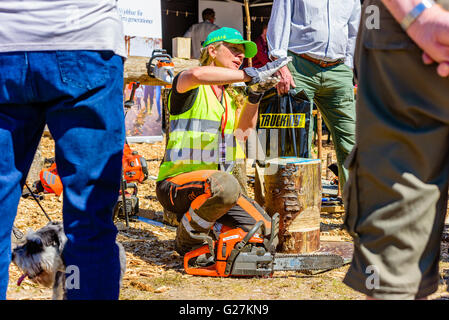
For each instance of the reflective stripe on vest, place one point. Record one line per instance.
(199, 125)
(195, 135)
(192, 216)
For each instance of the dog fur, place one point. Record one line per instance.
(39, 257)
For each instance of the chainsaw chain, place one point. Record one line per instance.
(334, 261)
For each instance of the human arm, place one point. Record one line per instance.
(209, 75)
(278, 37)
(430, 31)
(247, 120)
(353, 27)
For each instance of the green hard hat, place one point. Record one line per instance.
(232, 36)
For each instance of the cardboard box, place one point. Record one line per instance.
(181, 47)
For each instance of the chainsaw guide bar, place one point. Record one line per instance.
(302, 262)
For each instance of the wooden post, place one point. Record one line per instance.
(328, 163)
(319, 122)
(248, 28)
(293, 189)
(259, 188)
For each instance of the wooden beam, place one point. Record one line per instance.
(248, 28)
(136, 70)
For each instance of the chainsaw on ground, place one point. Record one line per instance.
(240, 253)
(126, 207)
(161, 66)
(134, 170)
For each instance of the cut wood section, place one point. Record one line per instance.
(293, 189)
(333, 209)
(136, 70)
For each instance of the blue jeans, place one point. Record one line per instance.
(79, 95)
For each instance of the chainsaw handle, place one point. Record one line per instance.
(150, 66)
(206, 271)
(130, 101)
(249, 235)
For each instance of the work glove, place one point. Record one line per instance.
(256, 91)
(262, 74)
(263, 79)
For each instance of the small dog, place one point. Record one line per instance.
(39, 257)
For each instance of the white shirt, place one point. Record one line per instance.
(199, 32)
(42, 25)
(323, 29)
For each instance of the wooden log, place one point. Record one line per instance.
(136, 70)
(328, 163)
(259, 188)
(319, 122)
(293, 189)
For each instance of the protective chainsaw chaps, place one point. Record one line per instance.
(50, 180)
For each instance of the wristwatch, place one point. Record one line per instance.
(415, 13)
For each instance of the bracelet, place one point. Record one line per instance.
(415, 13)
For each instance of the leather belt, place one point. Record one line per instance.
(322, 63)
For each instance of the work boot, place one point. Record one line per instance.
(184, 242)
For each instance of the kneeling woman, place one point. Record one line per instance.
(194, 180)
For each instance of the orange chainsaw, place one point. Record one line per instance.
(161, 66)
(240, 253)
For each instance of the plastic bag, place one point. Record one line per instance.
(286, 117)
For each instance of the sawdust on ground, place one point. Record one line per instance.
(155, 270)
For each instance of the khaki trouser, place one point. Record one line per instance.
(396, 194)
(332, 90)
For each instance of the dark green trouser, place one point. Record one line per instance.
(396, 194)
(333, 92)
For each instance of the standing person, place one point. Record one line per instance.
(61, 64)
(202, 145)
(320, 37)
(139, 97)
(199, 31)
(155, 93)
(261, 58)
(396, 195)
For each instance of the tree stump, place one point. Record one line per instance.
(259, 189)
(293, 189)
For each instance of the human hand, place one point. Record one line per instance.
(263, 74)
(442, 69)
(286, 81)
(431, 33)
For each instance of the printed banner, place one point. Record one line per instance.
(142, 24)
(141, 18)
(282, 120)
(144, 119)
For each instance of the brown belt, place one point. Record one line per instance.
(321, 63)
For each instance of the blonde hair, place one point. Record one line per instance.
(236, 93)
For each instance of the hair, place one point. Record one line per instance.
(236, 93)
(208, 14)
(264, 25)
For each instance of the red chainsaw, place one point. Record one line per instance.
(240, 253)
